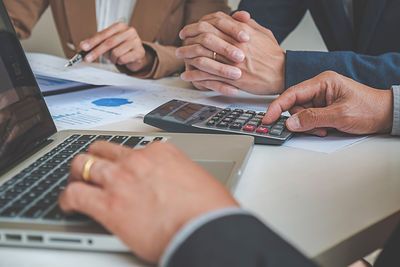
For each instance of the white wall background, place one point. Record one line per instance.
(45, 39)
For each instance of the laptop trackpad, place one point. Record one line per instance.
(220, 169)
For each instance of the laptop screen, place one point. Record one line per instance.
(25, 121)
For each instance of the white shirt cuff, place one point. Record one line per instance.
(396, 110)
(192, 226)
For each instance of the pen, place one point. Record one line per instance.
(78, 57)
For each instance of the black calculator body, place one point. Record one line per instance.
(185, 117)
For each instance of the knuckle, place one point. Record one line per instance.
(329, 74)
(115, 54)
(199, 61)
(220, 14)
(206, 38)
(198, 49)
(203, 26)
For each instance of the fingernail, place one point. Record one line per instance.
(243, 36)
(233, 91)
(89, 58)
(293, 122)
(184, 76)
(181, 35)
(177, 53)
(238, 55)
(235, 73)
(85, 46)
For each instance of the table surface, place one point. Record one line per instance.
(324, 204)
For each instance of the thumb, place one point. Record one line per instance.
(312, 118)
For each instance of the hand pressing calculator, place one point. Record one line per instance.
(186, 117)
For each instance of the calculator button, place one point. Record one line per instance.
(239, 110)
(249, 128)
(262, 130)
(266, 126)
(246, 115)
(261, 114)
(235, 114)
(230, 117)
(236, 126)
(255, 124)
(258, 122)
(259, 117)
(211, 123)
(276, 131)
(240, 121)
(227, 109)
(216, 118)
(251, 112)
(244, 118)
(158, 139)
(222, 125)
(228, 120)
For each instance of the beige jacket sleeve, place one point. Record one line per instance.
(166, 63)
(24, 14)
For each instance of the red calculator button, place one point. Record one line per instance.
(249, 128)
(262, 130)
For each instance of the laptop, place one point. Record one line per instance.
(35, 160)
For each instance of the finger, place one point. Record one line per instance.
(216, 68)
(197, 50)
(124, 48)
(83, 198)
(321, 132)
(102, 172)
(216, 44)
(103, 35)
(109, 44)
(312, 118)
(242, 16)
(231, 27)
(108, 150)
(296, 95)
(220, 87)
(134, 56)
(195, 29)
(199, 86)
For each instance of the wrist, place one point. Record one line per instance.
(386, 111)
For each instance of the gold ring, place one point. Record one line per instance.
(214, 55)
(87, 167)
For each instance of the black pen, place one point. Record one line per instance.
(79, 57)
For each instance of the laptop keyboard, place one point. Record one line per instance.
(33, 193)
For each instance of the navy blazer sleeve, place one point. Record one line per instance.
(379, 72)
(236, 240)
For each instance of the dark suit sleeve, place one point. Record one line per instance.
(379, 72)
(390, 255)
(280, 16)
(236, 240)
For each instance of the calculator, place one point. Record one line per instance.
(185, 117)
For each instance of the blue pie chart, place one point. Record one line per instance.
(111, 102)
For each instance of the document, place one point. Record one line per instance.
(94, 107)
(55, 67)
(329, 144)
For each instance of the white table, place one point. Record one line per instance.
(334, 207)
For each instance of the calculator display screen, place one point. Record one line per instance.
(186, 112)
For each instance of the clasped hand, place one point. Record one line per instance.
(248, 56)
